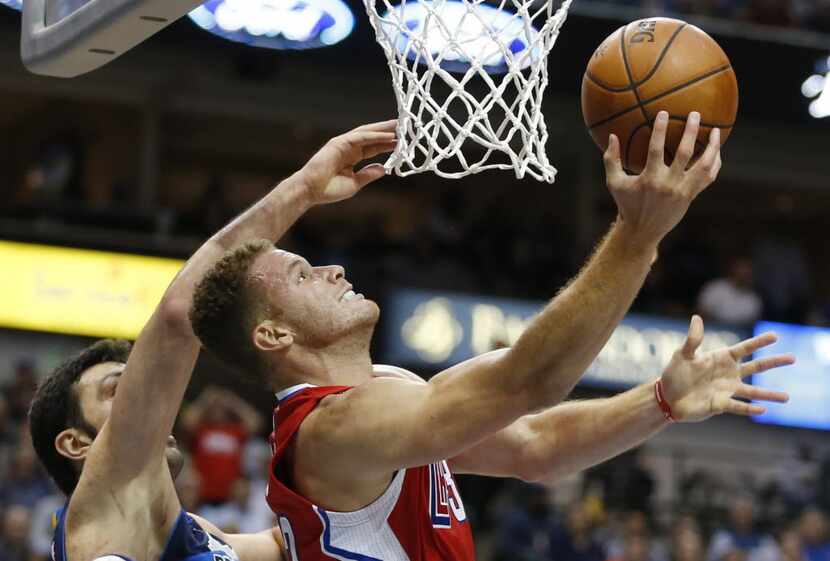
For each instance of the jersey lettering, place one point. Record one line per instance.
(444, 498)
(288, 536)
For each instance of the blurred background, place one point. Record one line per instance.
(153, 153)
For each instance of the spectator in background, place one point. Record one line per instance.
(815, 535)
(22, 389)
(525, 531)
(8, 436)
(219, 424)
(257, 467)
(740, 540)
(236, 516)
(731, 300)
(635, 548)
(25, 484)
(687, 541)
(789, 540)
(42, 532)
(797, 480)
(635, 533)
(14, 534)
(782, 278)
(573, 540)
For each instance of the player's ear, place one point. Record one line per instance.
(268, 336)
(73, 444)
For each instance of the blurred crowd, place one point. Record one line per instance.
(808, 14)
(609, 513)
(613, 516)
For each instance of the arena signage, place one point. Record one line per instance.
(432, 331)
(80, 292)
(817, 88)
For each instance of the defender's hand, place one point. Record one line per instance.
(329, 175)
(699, 386)
(651, 204)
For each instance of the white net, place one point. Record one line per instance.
(488, 115)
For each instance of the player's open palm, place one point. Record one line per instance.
(653, 203)
(700, 385)
(330, 175)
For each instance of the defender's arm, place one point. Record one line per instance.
(163, 357)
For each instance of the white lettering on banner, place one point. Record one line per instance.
(636, 352)
(818, 86)
(433, 331)
(491, 328)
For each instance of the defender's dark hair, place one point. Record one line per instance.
(224, 312)
(55, 408)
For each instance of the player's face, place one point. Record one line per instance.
(96, 390)
(317, 303)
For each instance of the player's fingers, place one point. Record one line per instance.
(767, 363)
(657, 145)
(736, 407)
(363, 138)
(381, 126)
(368, 174)
(747, 391)
(613, 163)
(373, 150)
(708, 160)
(746, 348)
(686, 150)
(694, 338)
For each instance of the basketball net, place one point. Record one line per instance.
(439, 113)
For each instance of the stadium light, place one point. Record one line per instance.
(277, 24)
(14, 4)
(482, 34)
(818, 86)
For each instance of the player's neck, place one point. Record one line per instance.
(345, 363)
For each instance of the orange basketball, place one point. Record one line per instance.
(654, 65)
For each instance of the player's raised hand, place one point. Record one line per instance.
(330, 176)
(651, 204)
(700, 385)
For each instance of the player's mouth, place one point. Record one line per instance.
(349, 295)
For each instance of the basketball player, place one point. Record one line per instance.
(359, 469)
(101, 422)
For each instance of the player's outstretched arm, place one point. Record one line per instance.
(575, 436)
(473, 400)
(163, 357)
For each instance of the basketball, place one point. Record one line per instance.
(654, 65)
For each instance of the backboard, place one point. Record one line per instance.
(67, 38)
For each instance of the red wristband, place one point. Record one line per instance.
(661, 401)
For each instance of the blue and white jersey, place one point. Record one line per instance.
(187, 542)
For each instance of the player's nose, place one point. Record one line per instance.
(333, 273)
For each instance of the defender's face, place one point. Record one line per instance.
(96, 390)
(317, 303)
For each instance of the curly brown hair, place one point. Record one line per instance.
(224, 312)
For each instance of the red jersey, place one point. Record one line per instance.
(420, 516)
(217, 456)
